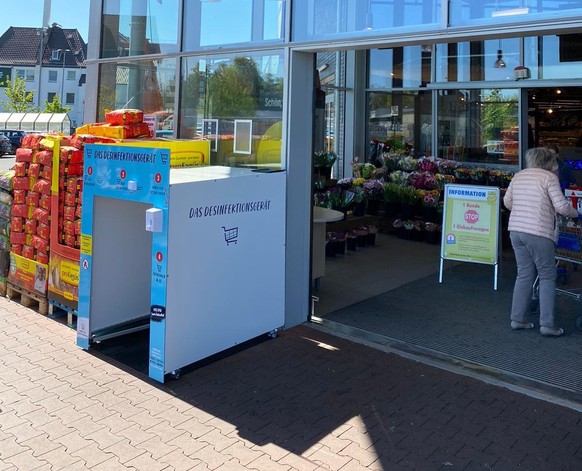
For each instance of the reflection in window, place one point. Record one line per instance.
(219, 91)
(145, 85)
(399, 67)
(213, 23)
(402, 120)
(477, 60)
(138, 27)
(478, 126)
(464, 13)
(318, 19)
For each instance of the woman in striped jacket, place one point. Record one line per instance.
(534, 197)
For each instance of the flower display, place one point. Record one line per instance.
(399, 177)
(373, 189)
(324, 159)
(408, 163)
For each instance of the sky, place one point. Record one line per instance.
(67, 13)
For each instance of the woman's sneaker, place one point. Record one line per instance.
(551, 331)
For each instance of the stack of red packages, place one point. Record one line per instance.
(70, 196)
(30, 222)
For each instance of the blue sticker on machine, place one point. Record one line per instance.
(158, 313)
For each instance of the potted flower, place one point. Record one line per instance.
(372, 231)
(359, 197)
(323, 162)
(410, 200)
(374, 192)
(430, 201)
(392, 199)
(352, 241)
(432, 234)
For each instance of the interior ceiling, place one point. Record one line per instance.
(570, 99)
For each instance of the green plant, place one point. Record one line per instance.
(392, 193)
(324, 159)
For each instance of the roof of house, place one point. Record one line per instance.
(21, 46)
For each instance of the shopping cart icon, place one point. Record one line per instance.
(230, 235)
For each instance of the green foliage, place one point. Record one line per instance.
(55, 106)
(234, 89)
(499, 113)
(18, 99)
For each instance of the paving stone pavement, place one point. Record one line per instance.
(307, 400)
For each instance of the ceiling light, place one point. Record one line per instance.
(499, 63)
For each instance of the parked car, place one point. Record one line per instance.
(15, 135)
(5, 145)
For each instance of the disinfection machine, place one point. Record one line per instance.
(197, 255)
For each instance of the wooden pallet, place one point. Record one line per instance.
(57, 309)
(27, 298)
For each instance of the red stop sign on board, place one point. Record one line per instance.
(158, 177)
(159, 256)
(123, 174)
(471, 216)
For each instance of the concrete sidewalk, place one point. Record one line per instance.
(307, 400)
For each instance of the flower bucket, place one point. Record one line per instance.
(359, 209)
(329, 249)
(339, 246)
(352, 243)
(373, 207)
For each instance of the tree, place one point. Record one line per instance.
(55, 106)
(234, 89)
(19, 100)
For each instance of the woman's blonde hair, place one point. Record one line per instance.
(541, 157)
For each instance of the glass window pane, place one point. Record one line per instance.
(138, 27)
(220, 91)
(314, 19)
(463, 12)
(52, 76)
(145, 85)
(211, 23)
(492, 60)
(478, 126)
(403, 67)
(402, 120)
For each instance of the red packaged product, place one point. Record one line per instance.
(24, 155)
(71, 155)
(34, 170)
(45, 202)
(70, 199)
(69, 227)
(19, 238)
(19, 197)
(21, 183)
(69, 213)
(42, 186)
(43, 230)
(79, 210)
(41, 215)
(32, 198)
(20, 210)
(44, 157)
(69, 240)
(30, 226)
(124, 116)
(74, 184)
(28, 252)
(39, 243)
(77, 226)
(78, 140)
(32, 141)
(69, 170)
(46, 172)
(21, 169)
(16, 248)
(16, 224)
(42, 258)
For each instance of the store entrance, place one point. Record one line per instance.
(555, 118)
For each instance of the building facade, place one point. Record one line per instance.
(51, 61)
(270, 81)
